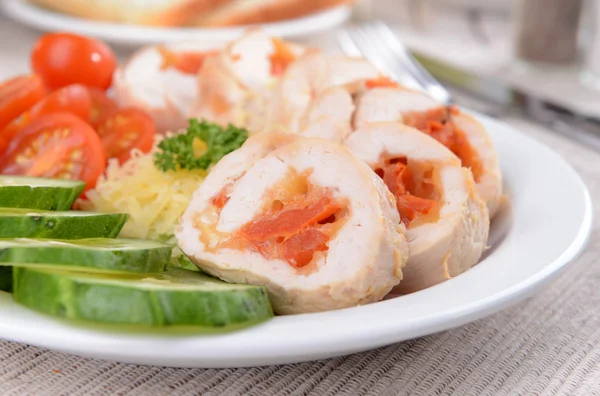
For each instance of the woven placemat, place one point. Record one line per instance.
(549, 344)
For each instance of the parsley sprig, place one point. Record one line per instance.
(177, 152)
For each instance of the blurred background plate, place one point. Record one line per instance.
(42, 19)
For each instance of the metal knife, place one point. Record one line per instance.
(496, 97)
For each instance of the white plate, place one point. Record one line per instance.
(545, 228)
(39, 18)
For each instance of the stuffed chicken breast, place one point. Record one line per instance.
(301, 216)
(236, 84)
(461, 133)
(162, 81)
(437, 200)
(306, 85)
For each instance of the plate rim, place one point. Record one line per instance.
(381, 335)
(41, 19)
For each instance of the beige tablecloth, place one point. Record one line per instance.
(549, 344)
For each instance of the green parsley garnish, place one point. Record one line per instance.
(178, 152)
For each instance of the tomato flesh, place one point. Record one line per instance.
(289, 221)
(17, 95)
(73, 99)
(58, 145)
(281, 57)
(399, 180)
(101, 106)
(438, 124)
(221, 199)
(61, 59)
(125, 130)
(292, 231)
(410, 206)
(300, 248)
(186, 62)
(381, 82)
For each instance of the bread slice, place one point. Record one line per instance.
(138, 12)
(249, 12)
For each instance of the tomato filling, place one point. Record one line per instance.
(381, 82)
(281, 57)
(185, 62)
(438, 124)
(415, 196)
(293, 228)
(220, 199)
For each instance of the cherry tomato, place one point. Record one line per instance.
(102, 106)
(125, 130)
(17, 95)
(73, 99)
(64, 58)
(58, 145)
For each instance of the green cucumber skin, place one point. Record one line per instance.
(62, 227)
(140, 261)
(182, 261)
(39, 198)
(73, 299)
(6, 279)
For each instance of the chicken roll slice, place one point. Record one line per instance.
(329, 115)
(162, 81)
(301, 216)
(309, 77)
(461, 133)
(447, 222)
(236, 84)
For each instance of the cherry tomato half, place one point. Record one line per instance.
(102, 106)
(73, 99)
(58, 145)
(64, 58)
(125, 130)
(17, 95)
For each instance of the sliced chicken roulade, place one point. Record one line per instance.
(162, 81)
(301, 216)
(307, 84)
(461, 133)
(447, 222)
(236, 84)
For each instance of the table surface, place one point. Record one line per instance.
(549, 344)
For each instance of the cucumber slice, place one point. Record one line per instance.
(176, 299)
(6, 279)
(182, 261)
(102, 255)
(23, 223)
(38, 193)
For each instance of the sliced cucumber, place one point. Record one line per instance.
(6, 279)
(182, 261)
(99, 254)
(37, 193)
(23, 223)
(176, 298)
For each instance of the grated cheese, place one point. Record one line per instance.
(154, 199)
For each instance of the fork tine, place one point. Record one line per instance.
(354, 41)
(347, 44)
(383, 36)
(376, 43)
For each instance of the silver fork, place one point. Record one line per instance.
(379, 45)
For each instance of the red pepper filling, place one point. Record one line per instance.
(438, 124)
(220, 199)
(281, 57)
(412, 201)
(293, 230)
(381, 82)
(185, 62)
